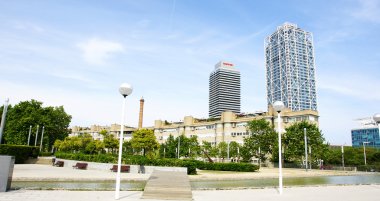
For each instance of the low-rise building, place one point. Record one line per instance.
(367, 132)
(229, 127)
(94, 131)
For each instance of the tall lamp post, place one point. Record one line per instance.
(365, 157)
(2, 124)
(35, 139)
(278, 106)
(42, 137)
(30, 130)
(179, 144)
(125, 90)
(343, 156)
(305, 137)
(228, 150)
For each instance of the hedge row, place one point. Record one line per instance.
(101, 158)
(191, 165)
(20, 152)
(45, 154)
(369, 168)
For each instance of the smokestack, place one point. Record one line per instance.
(141, 112)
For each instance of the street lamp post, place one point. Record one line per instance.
(179, 144)
(311, 158)
(220, 153)
(343, 157)
(228, 151)
(30, 131)
(259, 157)
(365, 157)
(2, 124)
(306, 161)
(35, 140)
(278, 106)
(42, 137)
(125, 90)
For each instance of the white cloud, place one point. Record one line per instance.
(144, 23)
(28, 26)
(369, 10)
(86, 108)
(359, 86)
(97, 51)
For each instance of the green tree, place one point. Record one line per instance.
(222, 150)
(262, 137)
(353, 156)
(31, 113)
(170, 147)
(234, 147)
(94, 147)
(144, 139)
(127, 148)
(294, 143)
(110, 142)
(193, 147)
(208, 150)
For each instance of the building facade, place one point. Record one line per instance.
(229, 127)
(290, 68)
(226, 128)
(368, 132)
(94, 131)
(224, 89)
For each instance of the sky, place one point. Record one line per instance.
(76, 53)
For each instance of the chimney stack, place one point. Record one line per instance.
(141, 112)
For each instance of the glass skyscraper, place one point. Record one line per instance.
(290, 68)
(224, 89)
(368, 135)
(368, 132)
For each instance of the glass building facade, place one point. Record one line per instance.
(290, 68)
(224, 89)
(370, 135)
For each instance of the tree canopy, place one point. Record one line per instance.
(31, 113)
(189, 147)
(83, 144)
(262, 137)
(294, 143)
(144, 140)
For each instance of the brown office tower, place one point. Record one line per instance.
(141, 112)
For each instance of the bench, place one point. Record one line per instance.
(81, 166)
(59, 163)
(123, 168)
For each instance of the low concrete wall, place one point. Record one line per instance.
(6, 172)
(133, 168)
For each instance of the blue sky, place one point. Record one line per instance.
(77, 53)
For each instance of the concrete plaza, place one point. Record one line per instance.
(37, 172)
(326, 193)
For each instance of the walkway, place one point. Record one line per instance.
(165, 185)
(326, 193)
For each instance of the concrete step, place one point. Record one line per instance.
(39, 160)
(167, 185)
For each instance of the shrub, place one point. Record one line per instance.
(20, 152)
(369, 168)
(192, 165)
(237, 167)
(45, 154)
(101, 158)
